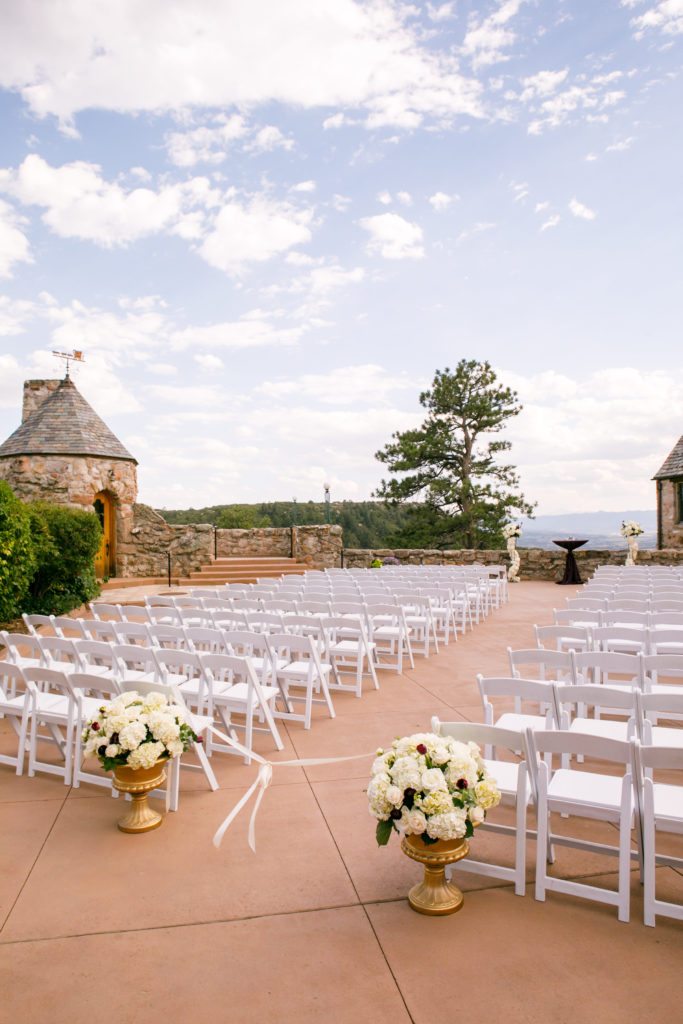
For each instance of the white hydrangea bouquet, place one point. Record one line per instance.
(512, 530)
(432, 786)
(137, 731)
(630, 528)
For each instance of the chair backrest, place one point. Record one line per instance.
(483, 735)
(59, 652)
(228, 668)
(12, 682)
(534, 691)
(314, 606)
(660, 668)
(280, 604)
(21, 646)
(49, 679)
(627, 605)
(95, 652)
(652, 706)
(575, 617)
(93, 685)
(265, 622)
(626, 618)
(44, 622)
(107, 612)
(563, 638)
(129, 657)
(70, 629)
(170, 638)
(659, 619)
(134, 613)
(595, 604)
(347, 608)
(670, 758)
(245, 643)
(615, 638)
(572, 696)
(291, 643)
(561, 741)
(665, 641)
(539, 663)
(190, 601)
(159, 601)
(132, 633)
(185, 663)
(602, 666)
(205, 640)
(164, 615)
(94, 629)
(667, 604)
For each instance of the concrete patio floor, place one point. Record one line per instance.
(315, 926)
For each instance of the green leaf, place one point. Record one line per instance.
(383, 831)
(469, 829)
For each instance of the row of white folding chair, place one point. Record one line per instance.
(652, 673)
(533, 781)
(32, 698)
(634, 795)
(622, 638)
(644, 605)
(157, 655)
(621, 617)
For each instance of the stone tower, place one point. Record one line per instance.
(64, 453)
(670, 499)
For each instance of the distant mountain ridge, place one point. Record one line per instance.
(600, 529)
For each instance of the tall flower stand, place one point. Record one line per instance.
(632, 550)
(513, 571)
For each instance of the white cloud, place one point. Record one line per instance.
(441, 12)
(621, 146)
(346, 385)
(253, 232)
(393, 237)
(477, 229)
(486, 40)
(541, 207)
(543, 83)
(80, 203)
(667, 16)
(208, 361)
(384, 198)
(267, 139)
(404, 198)
(440, 201)
(551, 222)
(581, 211)
(332, 53)
(584, 444)
(303, 186)
(14, 245)
(205, 144)
(14, 314)
(238, 334)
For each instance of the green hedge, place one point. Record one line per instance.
(47, 555)
(17, 553)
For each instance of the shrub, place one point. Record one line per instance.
(66, 541)
(17, 558)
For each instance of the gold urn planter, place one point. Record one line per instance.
(435, 895)
(140, 782)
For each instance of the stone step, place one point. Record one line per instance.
(242, 570)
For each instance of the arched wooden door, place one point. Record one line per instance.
(104, 559)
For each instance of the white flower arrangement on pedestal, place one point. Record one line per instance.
(430, 786)
(511, 532)
(137, 731)
(631, 530)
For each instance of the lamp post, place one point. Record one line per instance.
(326, 489)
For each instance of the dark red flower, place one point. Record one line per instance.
(395, 814)
(462, 784)
(95, 726)
(421, 749)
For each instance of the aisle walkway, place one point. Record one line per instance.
(315, 927)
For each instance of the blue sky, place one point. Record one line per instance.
(267, 224)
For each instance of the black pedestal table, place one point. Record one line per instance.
(571, 570)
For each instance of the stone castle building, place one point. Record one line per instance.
(669, 480)
(63, 452)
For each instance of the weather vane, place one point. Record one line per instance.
(69, 357)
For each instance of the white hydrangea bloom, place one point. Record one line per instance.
(447, 826)
(146, 755)
(132, 736)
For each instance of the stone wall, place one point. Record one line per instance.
(536, 563)
(319, 547)
(672, 529)
(143, 548)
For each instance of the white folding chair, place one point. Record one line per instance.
(132, 633)
(22, 650)
(94, 629)
(390, 634)
(302, 669)
(106, 612)
(592, 795)
(652, 707)
(136, 664)
(134, 613)
(51, 705)
(523, 691)
(233, 688)
(539, 663)
(97, 659)
(15, 706)
(661, 811)
(563, 638)
(512, 779)
(349, 650)
(90, 692)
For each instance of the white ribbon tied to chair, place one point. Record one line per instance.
(263, 781)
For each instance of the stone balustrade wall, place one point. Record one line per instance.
(143, 547)
(536, 563)
(319, 547)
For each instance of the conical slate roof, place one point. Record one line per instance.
(64, 424)
(673, 465)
